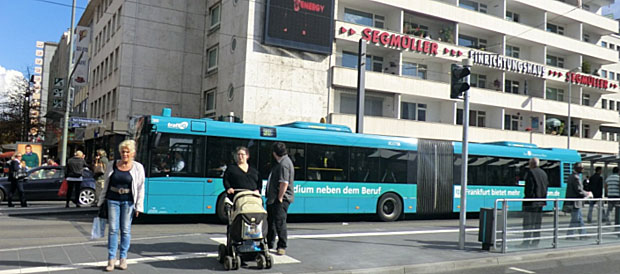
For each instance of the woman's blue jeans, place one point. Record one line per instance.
(120, 214)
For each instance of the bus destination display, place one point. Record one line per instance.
(300, 24)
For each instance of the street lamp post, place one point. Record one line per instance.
(570, 85)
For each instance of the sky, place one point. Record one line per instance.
(23, 22)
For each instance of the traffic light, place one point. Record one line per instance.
(457, 82)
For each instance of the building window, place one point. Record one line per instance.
(618, 106)
(555, 61)
(604, 103)
(555, 94)
(612, 104)
(118, 23)
(212, 59)
(478, 80)
(585, 7)
(414, 70)
(476, 117)
(603, 135)
(214, 14)
(511, 122)
(116, 58)
(603, 73)
(511, 86)
(364, 18)
(555, 29)
(585, 99)
(511, 16)
(586, 37)
(611, 46)
(373, 106)
(475, 6)
(603, 44)
(612, 75)
(413, 111)
(210, 101)
(512, 51)
(373, 63)
(472, 42)
(586, 131)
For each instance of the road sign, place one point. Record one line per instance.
(84, 120)
(59, 82)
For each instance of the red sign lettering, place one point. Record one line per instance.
(400, 41)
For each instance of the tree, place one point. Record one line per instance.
(13, 111)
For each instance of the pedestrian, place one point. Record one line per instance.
(16, 182)
(612, 188)
(574, 189)
(279, 196)
(596, 187)
(73, 175)
(536, 183)
(124, 195)
(241, 175)
(100, 166)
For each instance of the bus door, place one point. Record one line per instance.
(435, 177)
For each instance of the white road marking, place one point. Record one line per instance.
(364, 234)
(277, 259)
(104, 263)
(100, 242)
(521, 270)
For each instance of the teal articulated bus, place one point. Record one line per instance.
(336, 171)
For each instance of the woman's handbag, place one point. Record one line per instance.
(99, 169)
(103, 210)
(62, 191)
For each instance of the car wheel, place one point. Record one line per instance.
(86, 197)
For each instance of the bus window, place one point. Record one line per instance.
(177, 155)
(552, 168)
(394, 165)
(327, 163)
(364, 168)
(296, 151)
(220, 154)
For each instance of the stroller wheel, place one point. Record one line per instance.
(261, 261)
(237, 263)
(269, 262)
(221, 253)
(228, 262)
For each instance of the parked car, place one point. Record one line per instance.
(42, 184)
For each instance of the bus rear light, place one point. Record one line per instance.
(209, 207)
(410, 207)
(209, 181)
(357, 207)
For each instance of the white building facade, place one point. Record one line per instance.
(533, 61)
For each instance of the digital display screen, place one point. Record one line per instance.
(268, 132)
(300, 24)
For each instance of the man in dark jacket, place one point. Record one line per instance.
(73, 175)
(574, 189)
(16, 183)
(535, 188)
(596, 186)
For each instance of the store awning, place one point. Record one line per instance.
(7, 154)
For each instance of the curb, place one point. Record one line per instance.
(500, 260)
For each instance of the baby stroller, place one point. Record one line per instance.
(246, 232)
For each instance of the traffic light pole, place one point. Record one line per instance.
(464, 156)
(361, 86)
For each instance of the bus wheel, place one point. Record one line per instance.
(220, 209)
(389, 207)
